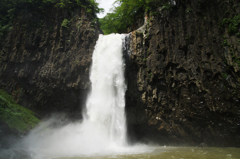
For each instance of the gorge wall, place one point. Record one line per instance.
(184, 76)
(45, 59)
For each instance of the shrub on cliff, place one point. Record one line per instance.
(15, 116)
(233, 24)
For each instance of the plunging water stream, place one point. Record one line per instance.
(106, 103)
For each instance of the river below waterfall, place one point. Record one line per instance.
(173, 153)
(142, 152)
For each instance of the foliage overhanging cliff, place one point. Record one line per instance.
(129, 11)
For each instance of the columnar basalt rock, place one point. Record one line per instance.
(183, 82)
(45, 61)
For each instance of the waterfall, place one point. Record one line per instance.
(103, 129)
(106, 102)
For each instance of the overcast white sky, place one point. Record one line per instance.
(106, 4)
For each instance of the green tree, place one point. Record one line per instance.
(122, 16)
(125, 14)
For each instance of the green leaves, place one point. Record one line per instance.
(166, 6)
(124, 15)
(233, 24)
(94, 6)
(65, 23)
(14, 115)
(225, 43)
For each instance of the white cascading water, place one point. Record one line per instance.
(106, 103)
(103, 129)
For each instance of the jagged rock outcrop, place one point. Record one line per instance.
(184, 76)
(45, 60)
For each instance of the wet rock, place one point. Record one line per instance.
(182, 74)
(46, 69)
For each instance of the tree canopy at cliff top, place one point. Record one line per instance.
(124, 15)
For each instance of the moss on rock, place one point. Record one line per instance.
(15, 116)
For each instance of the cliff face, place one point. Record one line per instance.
(184, 76)
(45, 61)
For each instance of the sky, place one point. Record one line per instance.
(106, 4)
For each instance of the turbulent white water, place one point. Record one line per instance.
(103, 129)
(106, 103)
